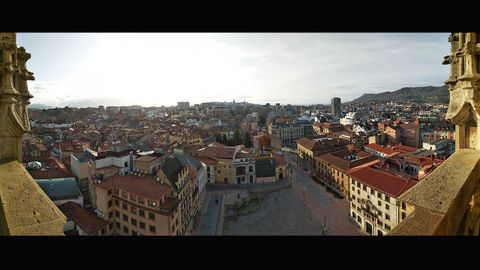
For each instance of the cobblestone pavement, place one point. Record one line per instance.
(300, 210)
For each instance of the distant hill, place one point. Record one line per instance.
(436, 94)
(38, 106)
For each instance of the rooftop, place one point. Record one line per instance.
(60, 188)
(85, 219)
(385, 182)
(145, 186)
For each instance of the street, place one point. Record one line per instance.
(306, 208)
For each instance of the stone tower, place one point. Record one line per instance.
(14, 96)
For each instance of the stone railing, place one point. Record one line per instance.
(446, 202)
(24, 208)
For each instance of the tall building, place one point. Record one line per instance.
(336, 107)
(183, 105)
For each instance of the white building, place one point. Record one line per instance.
(349, 119)
(374, 201)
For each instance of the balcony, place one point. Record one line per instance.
(441, 203)
(25, 208)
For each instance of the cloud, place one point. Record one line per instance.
(296, 68)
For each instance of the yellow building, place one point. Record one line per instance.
(137, 205)
(334, 168)
(308, 148)
(182, 181)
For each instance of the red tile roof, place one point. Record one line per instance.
(382, 181)
(226, 152)
(50, 173)
(279, 161)
(206, 160)
(145, 186)
(88, 221)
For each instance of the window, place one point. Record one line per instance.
(379, 222)
(387, 206)
(151, 203)
(124, 206)
(110, 226)
(110, 215)
(133, 210)
(115, 191)
(133, 221)
(124, 194)
(379, 195)
(151, 216)
(387, 227)
(250, 168)
(379, 203)
(404, 215)
(104, 231)
(353, 188)
(133, 198)
(364, 188)
(152, 228)
(358, 191)
(387, 217)
(134, 232)
(117, 225)
(380, 214)
(358, 184)
(117, 203)
(387, 198)
(125, 164)
(404, 206)
(372, 191)
(353, 197)
(110, 203)
(125, 229)
(141, 213)
(353, 205)
(354, 215)
(379, 233)
(125, 217)
(110, 192)
(141, 200)
(117, 214)
(142, 225)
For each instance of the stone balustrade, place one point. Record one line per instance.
(24, 208)
(442, 203)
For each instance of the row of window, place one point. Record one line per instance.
(133, 210)
(365, 187)
(133, 198)
(126, 230)
(380, 213)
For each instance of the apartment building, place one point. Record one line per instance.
(182, 180)
(335, 167)
(308, 148)
(374, 203)
(289, 132)
(137, 205)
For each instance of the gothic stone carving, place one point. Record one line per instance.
(14, 96)
(464, 82)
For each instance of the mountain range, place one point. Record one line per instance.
(432, 94)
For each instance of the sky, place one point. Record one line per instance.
(155, 69)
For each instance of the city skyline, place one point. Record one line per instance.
(91, 69)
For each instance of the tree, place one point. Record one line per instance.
(224, 139)
(236, 138)
(247, 140)
(218, 137)
(262, 120)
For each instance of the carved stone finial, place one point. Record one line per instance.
(464, 82)
(14, 96)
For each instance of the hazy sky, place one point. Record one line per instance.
(91, 69)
